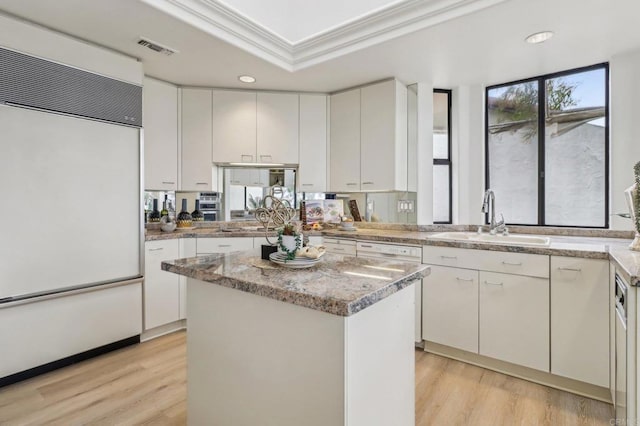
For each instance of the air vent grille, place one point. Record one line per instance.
(156, 47)
(37, 83)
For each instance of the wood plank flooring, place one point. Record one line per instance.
(146, 385)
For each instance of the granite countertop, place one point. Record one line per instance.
(590, 247)
(339, 285)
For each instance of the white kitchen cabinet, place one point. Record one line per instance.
(196, 159)
(345, 142)
(277, 128)
(450, 307)
(187, 249)
(612, 331)
(249, 177)
(234, 126)
(160, 122)
(161, 288)
(580, 319)
(250, 127)
(206, 245)
(383, 135)
(514, 319)
(312, 169)
(340, 246)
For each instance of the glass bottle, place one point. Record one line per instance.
(184, 217)
(154, 216)
(197, 215)
(164, 212)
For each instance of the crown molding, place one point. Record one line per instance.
(398, 19)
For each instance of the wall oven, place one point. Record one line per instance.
(210, 206)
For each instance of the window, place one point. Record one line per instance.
(548, 148)
(441, 156)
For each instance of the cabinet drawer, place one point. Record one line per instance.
(338, 246)
(450, 256)
(223, 245)
(533, 265)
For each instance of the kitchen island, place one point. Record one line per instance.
(328, 345)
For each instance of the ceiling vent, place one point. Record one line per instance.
(156, 47)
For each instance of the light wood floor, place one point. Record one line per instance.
(146, 384)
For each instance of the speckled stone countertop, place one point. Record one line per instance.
(339, 285)
(587, 246)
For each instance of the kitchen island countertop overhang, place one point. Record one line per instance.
(339, 285)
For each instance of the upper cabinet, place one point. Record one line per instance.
(251, 127)
(345, 142)
(383, 137)
(369, 138)
(196, 159)
(160, 122)
(277, 137)
(312, 171)
(234, 126)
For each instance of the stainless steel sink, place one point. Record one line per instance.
(525, 240)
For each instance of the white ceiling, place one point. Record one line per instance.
(484, 47)
(294, 23)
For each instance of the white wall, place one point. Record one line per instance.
(424, 157)
(625, 130)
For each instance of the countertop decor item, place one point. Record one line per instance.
(184, 217)
(154, 216)
(634, 207)
(167, 224)
(197, 215)
(274, 212)
(289, 241)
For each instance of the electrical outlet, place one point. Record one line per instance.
(405, 206)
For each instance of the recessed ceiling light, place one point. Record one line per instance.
(246, 79)
(539, 37)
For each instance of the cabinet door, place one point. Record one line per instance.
(196, 140)
(345, 142)
(161, 288)
(160, 122)
(223, 245)
(187, 249)
(234, 127)
(383, 137)
(514, 319)
(580, 319)
(277, 132)
(312, 171)
(450, 307)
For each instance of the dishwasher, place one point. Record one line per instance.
(401, 254)
(621, 351)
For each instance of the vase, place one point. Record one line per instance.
(184, 217)
(630, 196)
(154, 216)
(197, 215)
(289, 242)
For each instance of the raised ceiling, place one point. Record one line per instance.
(483, 47)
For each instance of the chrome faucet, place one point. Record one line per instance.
(489, 205)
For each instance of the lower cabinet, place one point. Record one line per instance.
(514, 319)
(161, 288)
(580, 319)
(223, 245)
(187, 249)
(450, 307)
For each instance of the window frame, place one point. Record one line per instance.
(542, 139)
(447, 161)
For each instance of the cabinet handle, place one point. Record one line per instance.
(224, 245)
(512, 264)
(202, 183)
(257, 183)
(470, 280)
(365, 246)
(351, 184)
(449, 257)
(262, 157)
(246, 157)
(168, 183)
(307, 184)
(338, 249)
(367, 183)
(156, 249)
(570, 269)
(490, 283)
